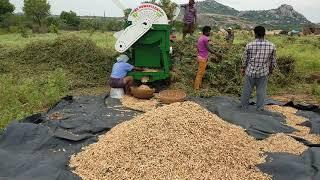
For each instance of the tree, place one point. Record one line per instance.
(6, 9)
(127, 12)
(53, 20)
(168, 7)
(37, 10)
(70, 18)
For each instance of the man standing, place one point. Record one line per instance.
(190, 18)
(259, 61)
(230, 36)
(203, 53)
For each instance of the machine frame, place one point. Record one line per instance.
(159, 35)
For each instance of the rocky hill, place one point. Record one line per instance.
(284, 15)
(217, 14)
(213, 7)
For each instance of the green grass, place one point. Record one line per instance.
(104, 40)
(16, 40)
(307, 57)
(306, 50)
(20, 97)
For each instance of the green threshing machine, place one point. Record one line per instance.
(146, 40)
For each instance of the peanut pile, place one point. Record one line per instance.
(177, 141)
(139, 104)
(293, 120)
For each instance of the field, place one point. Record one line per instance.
(304, 49)
(104, 40)
(35, 72)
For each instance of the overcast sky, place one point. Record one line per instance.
(309, 8)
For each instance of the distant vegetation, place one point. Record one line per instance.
(36, 17)
(37, 11)
(6, 10)
(210, 6)
(70, 18)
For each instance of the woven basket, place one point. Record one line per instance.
(142, 93)
(172, 96)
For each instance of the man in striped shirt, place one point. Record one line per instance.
(259, 61)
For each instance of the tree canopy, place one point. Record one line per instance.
(6, 9)
(37, 10)
(70, 18)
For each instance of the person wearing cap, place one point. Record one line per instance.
(190, 18)
(120, 69)
(230, 36)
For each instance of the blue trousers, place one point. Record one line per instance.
(261, 87)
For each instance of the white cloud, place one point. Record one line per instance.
(309, 8)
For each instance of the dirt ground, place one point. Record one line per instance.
(297, 98)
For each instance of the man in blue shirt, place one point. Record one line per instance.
(120, 69)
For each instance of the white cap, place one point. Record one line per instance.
(123, 58)
(229, 28)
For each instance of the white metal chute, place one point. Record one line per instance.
(176, 13)
(150, 11)
(131, 34)
(119, 4)
(142, 19)
(118, 34)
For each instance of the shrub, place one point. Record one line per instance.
(87, 63)
(53, 29)
(285, 74)
(222, 75)
(53, 20)
(291, 39)
(286, 64)
(70, 18)
(109, 24)
(23, 31)
(39, 29)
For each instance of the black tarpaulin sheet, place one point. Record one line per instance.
(38, 148)
(310, 107)
(284, 166)
(259, 124)
(313, 120)
(309, 111)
